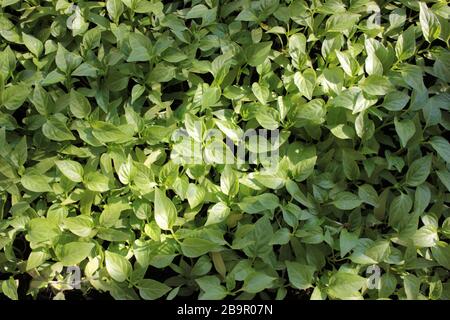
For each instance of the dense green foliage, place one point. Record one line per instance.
(91, 94)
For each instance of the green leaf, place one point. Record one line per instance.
(373, 65)
(6, 3)
(41, 229)
(107, 132)
(395, 100)
(14, 96)
(343, 131)
(344, 285)
(257, 281)
(297, 49)
(42, 101)
(405, 130)
(348, 63)
(260, 203)
(79, 104)
(378, 251)
(442, 255)
(418, 171)
(9, 288)
(347, 201)
(162, 72)
(194, 127)
(376, 85)
(388, 284)
(405, 46)
(111, 213)
(204, 265)
(33, 44)
(126, 171)
(282, 236)
(115, 9)
(412, 286)
(268, 119)
(137, 92)
(313, 111)
(368, 194)
(165, 211)
(425, 237)
(297, 194)
(429, 23)
(261, 92)
(196, 247)
(306, 82)
(56, 129)
(442, 147)
(212, 290)
(198, 11)
(217, 213)
(256, 53)
(195, 195)
(300, 275)
(140, 48)
(20, 153)
(210, 97)
(73, 253)
(118, 267)
(36, 183)
(53, 77)
(80, 225)
(148, 7)
(150, 289)
(351, 169)
(444, 176)
(35, 259)
(85, 70)
(332, 80)
(399, 209)
(247, 15)
(422, 198)
(95, 181)
(341, 22)
(71, 169)
(66, 61)
(347, 241)
(229, 183)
